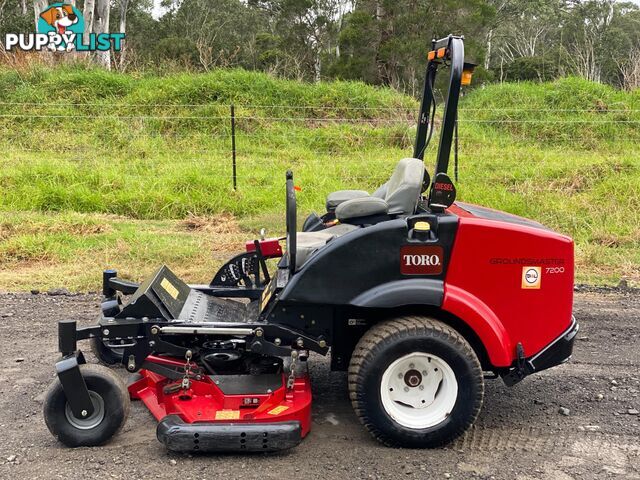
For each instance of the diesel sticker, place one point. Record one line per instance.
(421, 260)
(531, 277)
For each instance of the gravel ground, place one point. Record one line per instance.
(578, 420)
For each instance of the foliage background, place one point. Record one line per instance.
(380, 42)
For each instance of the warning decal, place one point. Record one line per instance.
(169, 288)
(278, 410)
(227, 414)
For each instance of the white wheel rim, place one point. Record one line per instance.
(419, 390)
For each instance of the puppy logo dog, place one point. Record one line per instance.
(60, 17)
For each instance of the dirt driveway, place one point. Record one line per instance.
(523, 432)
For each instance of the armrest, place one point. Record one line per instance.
(361, 207)
(336, 198)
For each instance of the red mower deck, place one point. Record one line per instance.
(225, 412)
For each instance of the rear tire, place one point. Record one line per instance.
(111, 408)
(415, 382)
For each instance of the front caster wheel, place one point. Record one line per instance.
(415, 382)
(110, 400)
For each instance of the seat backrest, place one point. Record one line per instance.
(381, 192)
(404, 186)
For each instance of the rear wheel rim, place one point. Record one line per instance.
(419, 390)
(91, 421)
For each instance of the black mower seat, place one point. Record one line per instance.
(401, 194)
(336, 198)
(309, 242)
(361, 207)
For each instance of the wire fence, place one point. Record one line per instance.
(253, 143)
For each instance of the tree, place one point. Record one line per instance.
(385, 41)
(381, 42)
(630, 69)
(589, 23)
(124, 5)
(38, 7)
(101, 25)
(15, 17)
(88, 13)
(527, 28)
(301, 34)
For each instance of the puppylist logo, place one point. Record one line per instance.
(61, 28)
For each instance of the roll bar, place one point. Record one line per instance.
(446, 51)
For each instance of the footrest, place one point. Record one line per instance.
(179, 436)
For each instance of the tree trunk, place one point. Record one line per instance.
(487, 58)
(101, 25)
(124, 5)
(23, 7)
(383, 76)
(340, 16)
(38, 7)
(317, 67)
(87, 13)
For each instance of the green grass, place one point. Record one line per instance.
(109, 181)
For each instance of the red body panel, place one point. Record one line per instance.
(270, 247)
(206, 402)
(486, 286)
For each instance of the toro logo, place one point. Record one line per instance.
(421, 260)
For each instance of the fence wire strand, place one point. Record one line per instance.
(148, 143)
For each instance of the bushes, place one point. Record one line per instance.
(531, 68)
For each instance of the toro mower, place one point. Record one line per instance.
(418, 297)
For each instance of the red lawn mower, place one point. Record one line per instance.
(419, 297)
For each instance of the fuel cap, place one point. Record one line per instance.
(422, 226)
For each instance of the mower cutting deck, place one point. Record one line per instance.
(225, 412)
(198, 410)
(415, 295)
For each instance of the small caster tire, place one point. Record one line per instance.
(106, 355)
(415, 382)
(111, 408)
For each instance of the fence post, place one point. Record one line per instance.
(233, 144)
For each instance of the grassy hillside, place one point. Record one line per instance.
(103, 169)
(158, 148)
